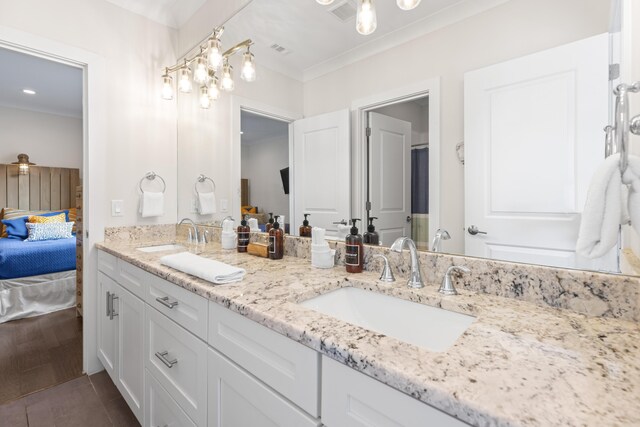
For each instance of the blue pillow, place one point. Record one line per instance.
(17, 227)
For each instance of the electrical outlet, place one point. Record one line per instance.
(224, 205)
(117, 208)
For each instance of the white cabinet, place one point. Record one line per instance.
(160, 408)
(107, 327)
(350, 398)
(237, 398)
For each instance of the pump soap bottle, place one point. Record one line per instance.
(269, 225)
(276, 241)
(371, 237)
(243, 235)
(305, 228)
(354, 254)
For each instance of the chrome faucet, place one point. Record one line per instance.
(436, 244)
(447, 287)
(415, 281)
(193, 227)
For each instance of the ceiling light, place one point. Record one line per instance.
(227, 83)
(23, 164)
(205, 101)
(366, 21)
(167, 86)
(29, 91)
(201, 73)
(184, 84)
(214, 52)
(248, 67)
(408, 4)
(325, 2)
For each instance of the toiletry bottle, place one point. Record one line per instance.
(371, 237)
(305, 228)
(276, 241)
(243, 235)
(354, 253)
(269, 225)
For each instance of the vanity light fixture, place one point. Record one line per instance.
(206, 61)
(408, 4)
(366, 20)
(29, 91)
(325, 2)
(23, 164)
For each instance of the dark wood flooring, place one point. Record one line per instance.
(83, 402)
(39, 352)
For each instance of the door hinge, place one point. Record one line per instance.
(614, 71)
(368, 131)
(86, 233)
(368, 206)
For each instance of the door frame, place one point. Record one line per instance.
(256, 107)
(359, 110)
(94, 142)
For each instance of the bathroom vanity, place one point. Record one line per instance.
(183, 351)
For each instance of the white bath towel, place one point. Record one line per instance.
(608, 205)
(207, 203)
(151, 204)
(204, 268)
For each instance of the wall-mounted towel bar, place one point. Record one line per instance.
(151, 176)
(202, 178)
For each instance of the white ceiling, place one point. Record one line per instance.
(256, 128)
(58, 86)
(172, 13)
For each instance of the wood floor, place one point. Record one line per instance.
(39, 352)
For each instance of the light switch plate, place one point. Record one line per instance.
(224, 205)
(117, 208)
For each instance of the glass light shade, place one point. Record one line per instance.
(366, 20)
(167, 87)
(201, 73)
(214, 92)
(23, 164)
(408, 4)
(23, 169)
(324, 2)
(184, 84)
(205, 101)
(226, 83)
(248, 67)
(214, 53)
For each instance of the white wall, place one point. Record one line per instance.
(141, 126)
(261, 164)
(514, 29)
(48, 139)
(411, 112)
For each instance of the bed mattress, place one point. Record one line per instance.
(22, 259)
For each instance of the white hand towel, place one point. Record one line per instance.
(607, 206)
(151, 204)
(204, 268)
(207, 203)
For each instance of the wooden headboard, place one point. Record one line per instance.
(43, 188)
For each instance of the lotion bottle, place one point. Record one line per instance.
(276, 241)
(354, 253)
(371, 237)
(269, 225)
(243, 235)
(305, 228)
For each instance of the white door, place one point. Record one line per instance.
(107, 324)
(321, 170)
(533, 139)
(390, 176)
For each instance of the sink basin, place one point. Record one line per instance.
(160, 248)
(428, 327)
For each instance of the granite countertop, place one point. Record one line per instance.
(518, 364)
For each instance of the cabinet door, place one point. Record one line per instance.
(129, 368)
(107, 324)
(160, 408)
(237, 398)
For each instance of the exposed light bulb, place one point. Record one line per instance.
(205, 101)
(408, 4)
(167, 87)
(214, 52)
(248, 67)
(214, 92)
(227, 83)
(184, 84)
(201, 73)
(324, 2)
(366, 20)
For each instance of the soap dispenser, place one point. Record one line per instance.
(354, 254)
(276, 241)
(228, 238)
(371, 237)
(269, 225)
(305, 228)
(243, 235)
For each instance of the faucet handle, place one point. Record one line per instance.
(190, 237)
(387, 273)
(447, 288)
(204, 239)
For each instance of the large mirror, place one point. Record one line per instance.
(473, 126)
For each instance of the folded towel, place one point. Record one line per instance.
(204, 268)
(207, 203)
(151, 204)
(608, 205)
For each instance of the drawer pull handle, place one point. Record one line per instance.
(165, 301)
(163, 358)
(113, 313)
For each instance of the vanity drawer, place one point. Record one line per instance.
(161, 409)
(183, 307)
(288, 367)
(178, 361)
(134, 279)
(108, 264)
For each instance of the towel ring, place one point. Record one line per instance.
(151, 176)
(203, 178)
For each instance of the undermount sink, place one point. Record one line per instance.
(428, 327)
(160, 248)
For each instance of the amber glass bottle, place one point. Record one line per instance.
(305, 228)
(243, 235)
(354, 253)
(371, 237)
(269, 225)
(276, 241)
